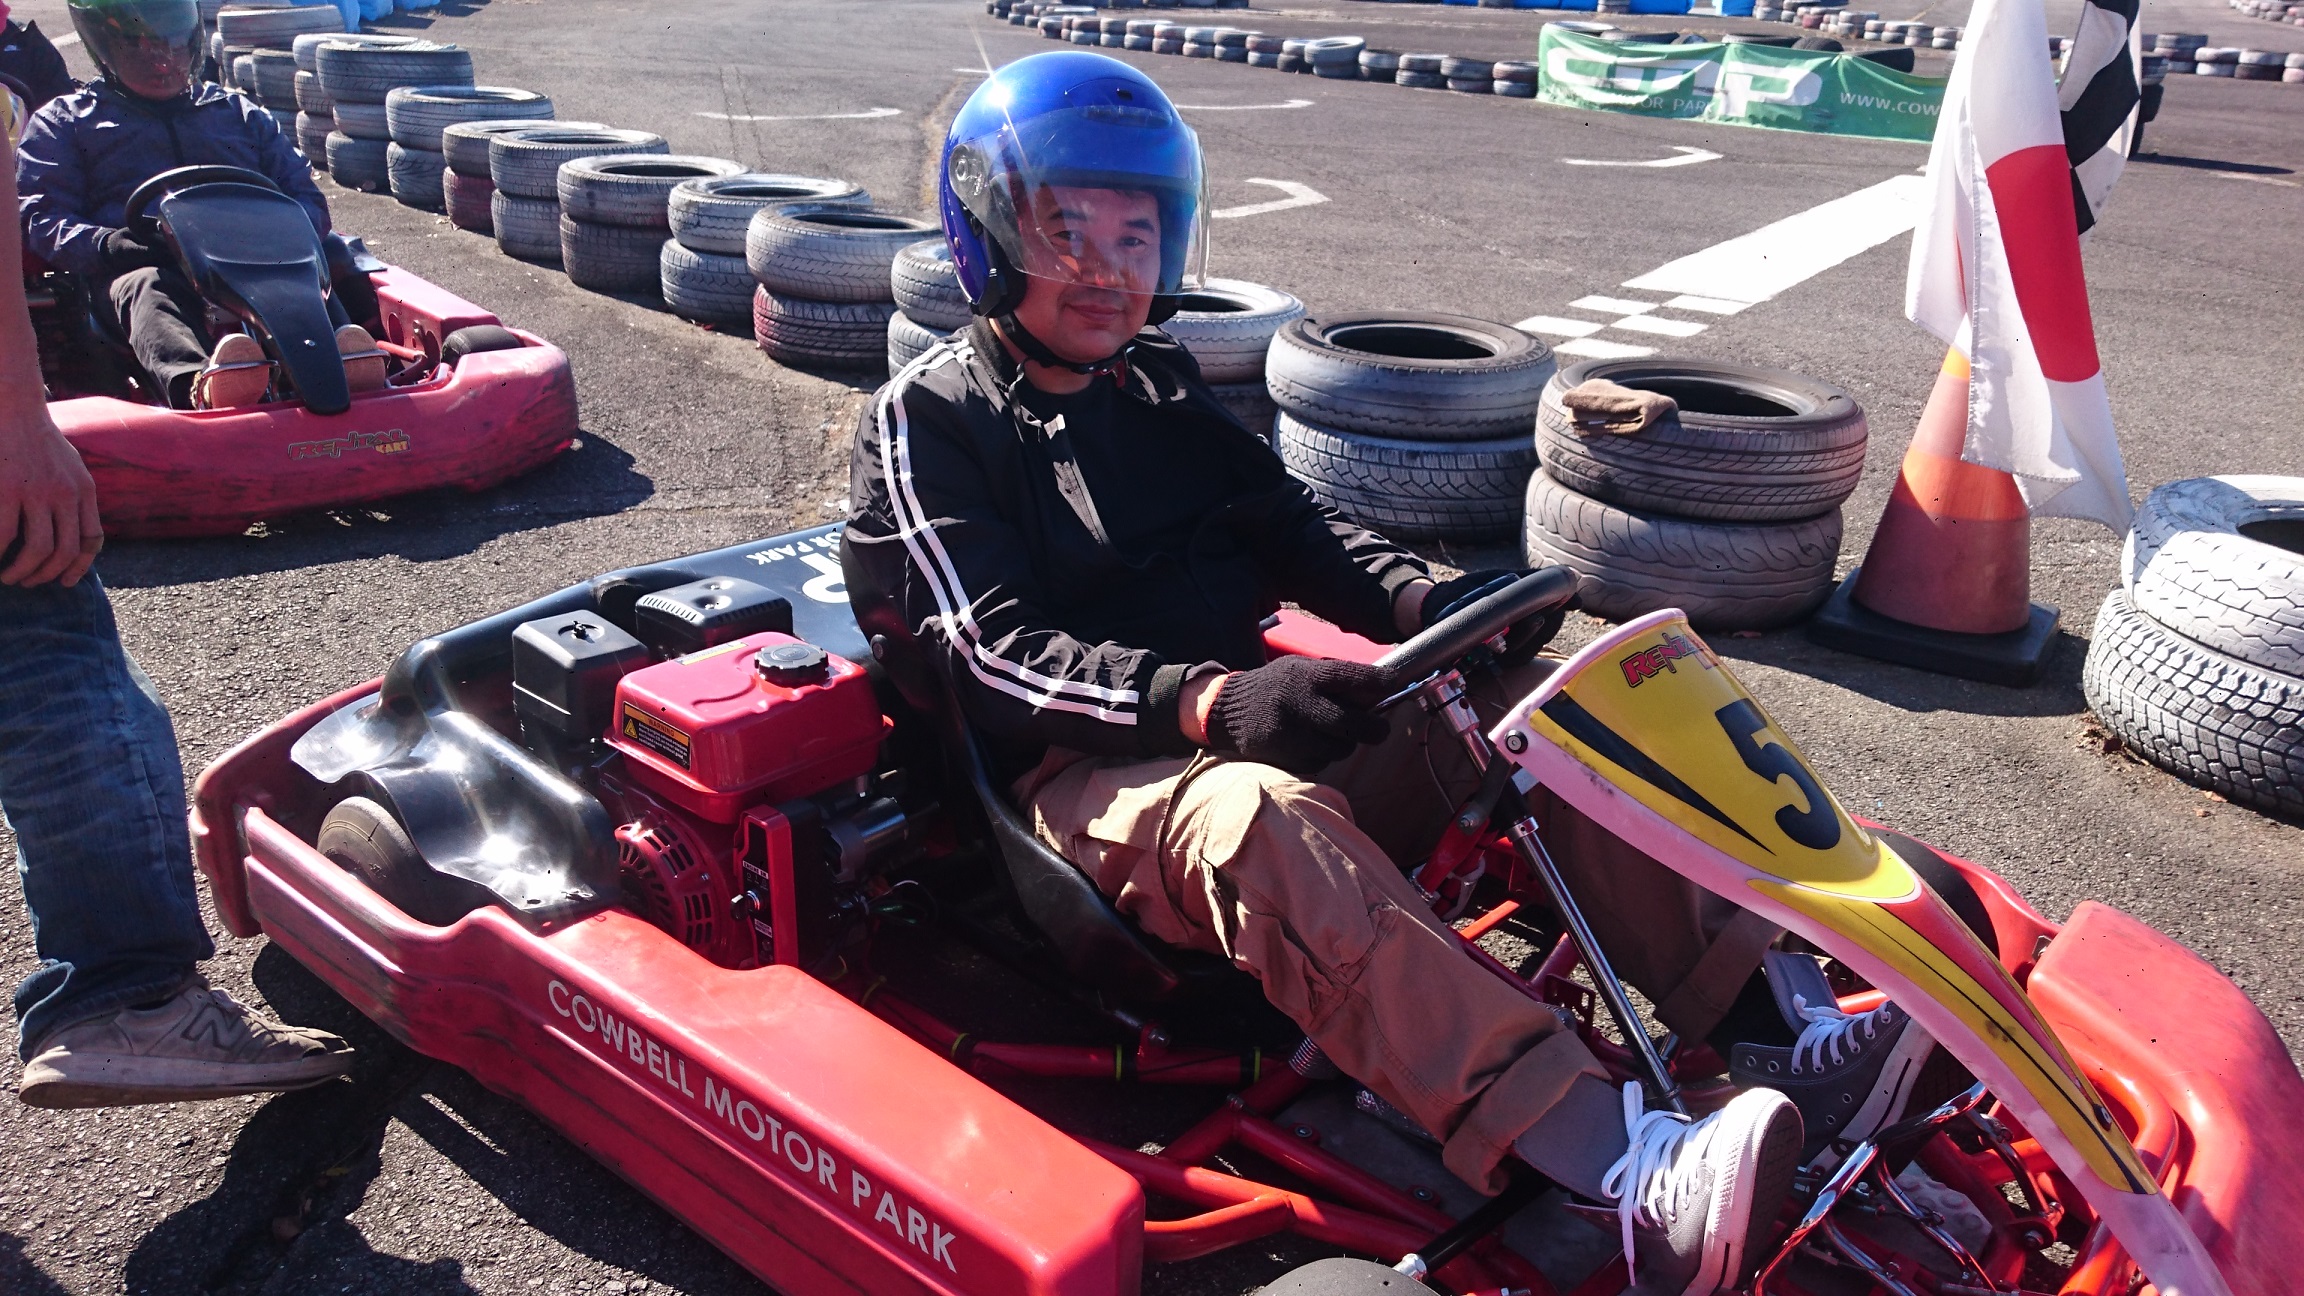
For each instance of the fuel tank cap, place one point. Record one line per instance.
(790, 665)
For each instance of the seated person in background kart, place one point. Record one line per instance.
(1083, 541)
(26, 56)
(84, 154)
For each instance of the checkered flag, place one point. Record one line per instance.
(2099, 97)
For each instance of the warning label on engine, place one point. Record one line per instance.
(655, 735)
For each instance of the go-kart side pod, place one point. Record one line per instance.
(484, 419)
(821, 1148)
(1647, 732)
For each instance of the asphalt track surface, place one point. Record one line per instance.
(413, 1179)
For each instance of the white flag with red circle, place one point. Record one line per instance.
(1996, 274)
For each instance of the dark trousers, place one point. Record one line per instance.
(166, 325)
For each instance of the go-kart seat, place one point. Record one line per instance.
(1097, 946)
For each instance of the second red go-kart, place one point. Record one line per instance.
(468, 403)
(675, 857)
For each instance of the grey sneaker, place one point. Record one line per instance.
(200, 1044)
(1851, 1074)
(1696, 1199)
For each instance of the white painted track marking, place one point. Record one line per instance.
(1660, 327)
(2221, 175)
(1600, 349)
(866, 115)
(1555, 326)
(1293, 103)
(1757, 266)
(1612, 305)
(1687, 157)
(1299, 195)
(68, 38)
(1708, 305)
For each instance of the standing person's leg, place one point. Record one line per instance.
(92, 787)
(166, 325)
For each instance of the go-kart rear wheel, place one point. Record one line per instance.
(473, 339)
(364, 839)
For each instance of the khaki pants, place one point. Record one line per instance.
(1295, 881)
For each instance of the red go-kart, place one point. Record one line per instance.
(468, 402)
(678, 857)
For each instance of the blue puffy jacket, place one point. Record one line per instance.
(83, 154)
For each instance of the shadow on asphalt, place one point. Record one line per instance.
(594, 478)
(19, 1276)
(2057, 693)
(2211, 164)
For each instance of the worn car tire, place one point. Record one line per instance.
(1409, 374)
(612, 258)
(2220, 561)
(711, 214)
(312, 138)
(310, 98)
(414, 175)
(362, 121)
(526, 163)
(1748, 445)
(358, 163)
(417, 114)
(908, 339)
(1411, 490)
(927, 287)
(829, 253)
(633, 189)
(361, 72)
(705, 286)
(469, 200)
(465, 144)
(1724, 575)
(830, 334)
(1227, 325)
(2216, 721)
(306, 48)
(528, 228)
(274, 77)
(1249, 403)
(269, 28)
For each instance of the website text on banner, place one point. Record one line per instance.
(1740, 85)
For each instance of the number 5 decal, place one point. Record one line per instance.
(1816, 827)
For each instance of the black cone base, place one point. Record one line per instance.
(2014, 658)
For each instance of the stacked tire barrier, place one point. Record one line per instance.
(1728, 509)
(702, 269)
(824, 273)
(930, 305)
(615, 216)
(468, 192)
(1414, 424)
(2197, 659)
(524, 165)
(262, 41)
(357, 74)
(415, 116)
(315, 111)
(1228, 326)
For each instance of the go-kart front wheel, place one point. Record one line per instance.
(365, 840)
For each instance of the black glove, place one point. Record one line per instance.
(122, 251)
(1299, 713)
(1523, 640)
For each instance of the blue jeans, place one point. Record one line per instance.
(91, 784)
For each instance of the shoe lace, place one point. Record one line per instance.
(1828, 1027)
(1646, 1182)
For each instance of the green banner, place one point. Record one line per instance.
(1741, 85)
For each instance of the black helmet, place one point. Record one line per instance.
(142, 38)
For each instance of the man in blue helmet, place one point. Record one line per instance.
(1055, 509)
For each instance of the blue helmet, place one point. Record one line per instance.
(1086, 124)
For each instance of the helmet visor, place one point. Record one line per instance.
(145, 42)
(1107, 193)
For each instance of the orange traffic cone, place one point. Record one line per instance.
(1947, 584)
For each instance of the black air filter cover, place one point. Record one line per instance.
(564, 673)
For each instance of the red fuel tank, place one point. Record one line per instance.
(764, 719)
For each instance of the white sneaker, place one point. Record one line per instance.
(1695, 1197)
(201, 1043)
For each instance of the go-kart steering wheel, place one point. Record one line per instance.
(1440, 645)
(147, 227)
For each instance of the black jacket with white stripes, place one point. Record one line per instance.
(975, 520)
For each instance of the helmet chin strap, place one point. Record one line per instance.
(1112, 366)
